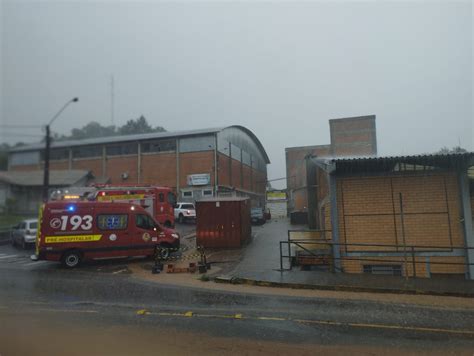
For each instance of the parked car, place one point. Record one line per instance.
(257, 216)
(24, 233)
(185, 212)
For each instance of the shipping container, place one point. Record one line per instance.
(223, 222)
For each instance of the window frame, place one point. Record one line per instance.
(113, 229)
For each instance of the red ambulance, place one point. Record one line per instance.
(71, 232)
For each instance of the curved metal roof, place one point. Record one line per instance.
(140, 137)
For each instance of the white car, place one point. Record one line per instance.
(24, 233)
(184, 212)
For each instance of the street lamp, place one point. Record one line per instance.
(46, 152)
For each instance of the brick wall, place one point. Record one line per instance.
(354, 136)
(223, 164)
(94, 165)
(159, 169)
(30, 167)
(58, 165)
(369, 212)
(195, 163)
(118, 165)
(296, 172)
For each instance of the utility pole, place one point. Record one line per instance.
(48, 149)
(112, 100)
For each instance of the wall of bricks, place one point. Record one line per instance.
(58, 165)
(369, 212)
(421, 265)
(94, 165)
(195, 163)
(353, 136)
(296, 172)
(24, 168)
(159, 169)
(116, 166)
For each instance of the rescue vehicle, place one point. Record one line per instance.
(72, 232)
(158, 201)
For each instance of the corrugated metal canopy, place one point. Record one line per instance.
(393, 163)
(35, 178)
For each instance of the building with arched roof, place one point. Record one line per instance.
(196, 163)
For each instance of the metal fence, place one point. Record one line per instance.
(316, 246)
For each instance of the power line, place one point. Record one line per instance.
(21, 126)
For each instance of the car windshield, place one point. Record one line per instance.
(187, 206)
(33, 225)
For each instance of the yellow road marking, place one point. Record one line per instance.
(188, 314)
(271, 318)
(384, 326)
(238, 316)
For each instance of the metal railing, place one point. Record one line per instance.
(379, 253)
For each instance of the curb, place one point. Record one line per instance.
(339, 288)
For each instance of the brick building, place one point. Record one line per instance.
(409, 215)
(350, 137)
(211, 162)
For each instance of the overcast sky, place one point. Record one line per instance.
(282, 69)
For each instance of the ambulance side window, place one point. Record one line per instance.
(112, 222)
(144, 222)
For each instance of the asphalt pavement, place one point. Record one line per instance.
(48, 310)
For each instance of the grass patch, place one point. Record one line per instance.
(204, 278)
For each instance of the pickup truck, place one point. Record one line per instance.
(185, 212)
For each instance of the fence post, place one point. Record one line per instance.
(281, 258)
(289, 251)
(413, 261)
(402, 220)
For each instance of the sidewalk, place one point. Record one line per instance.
(261, 260)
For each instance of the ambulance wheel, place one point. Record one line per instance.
(164, 252)
(71, 259)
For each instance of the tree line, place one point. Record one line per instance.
(91, 130)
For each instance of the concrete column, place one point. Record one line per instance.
(104, 161)
(230, 164)
(336, 249)
(216, 169)
(139, 163)
(177, 168)
(70, 159)
(466, 214)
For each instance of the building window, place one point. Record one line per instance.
(207, 193)
(123, 149)
(87, 152)
(187, 193)
(57, 154)
(390, 270)
(158, 146)
(112, 222)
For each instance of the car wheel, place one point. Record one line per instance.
(71, 259)
(181, 218)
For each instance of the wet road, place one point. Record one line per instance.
(120, 314)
